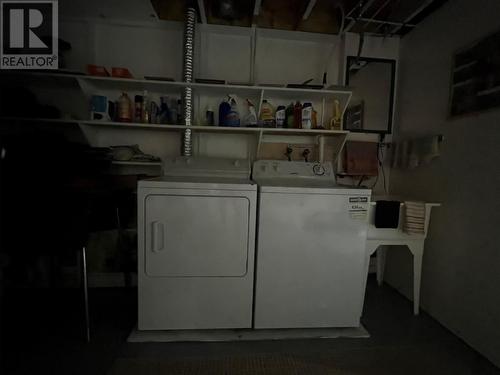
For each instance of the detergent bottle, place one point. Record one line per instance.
(224, 109)
(267, 115)
(233, 116)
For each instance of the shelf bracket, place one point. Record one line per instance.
(85, 87)
(260, 103)
(340, 148)
(344, 109)
(91, 134)
(259, 142)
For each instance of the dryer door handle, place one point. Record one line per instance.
(157, 236)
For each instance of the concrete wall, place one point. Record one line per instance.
(461, 267)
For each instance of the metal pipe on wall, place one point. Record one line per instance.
(188, 66)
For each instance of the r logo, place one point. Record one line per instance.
(29, 35)
(17, 29)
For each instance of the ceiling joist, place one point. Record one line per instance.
(377, 12)
(412, 16)
(364, 8)
(377, 17)
(383, 22)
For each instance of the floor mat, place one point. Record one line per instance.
(269, 365)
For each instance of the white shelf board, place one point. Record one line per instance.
(215, 129)
(132, 84)
(163, 127)
(155, 85)
(136, 84)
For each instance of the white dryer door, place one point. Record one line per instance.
(196, 235)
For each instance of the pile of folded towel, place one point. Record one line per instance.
(414, 222)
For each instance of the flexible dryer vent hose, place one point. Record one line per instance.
(188, 65)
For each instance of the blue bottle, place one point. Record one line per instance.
(233, 116)
(164, 114)
(224, 109)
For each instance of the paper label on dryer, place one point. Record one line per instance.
(358, 208)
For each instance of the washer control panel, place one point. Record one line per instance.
(290, 169)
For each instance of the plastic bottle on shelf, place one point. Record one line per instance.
(307, 114)
(154, 112)
(336, 122)
(233, 116)
(280, 116)
(267, 115)
(124, 108)
(315, 120)
(289, 116)
(164, 112)
(138, 108)
(251, 117)
(297, 115)
(224, 108)
(209, 116)
(145, 107)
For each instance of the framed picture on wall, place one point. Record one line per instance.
(475, 78)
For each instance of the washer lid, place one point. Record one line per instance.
(301, 186)
(279, 176)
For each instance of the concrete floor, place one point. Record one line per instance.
(42, 334)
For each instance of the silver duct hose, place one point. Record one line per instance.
(188, 66)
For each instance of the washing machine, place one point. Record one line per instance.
(310, 259)
(196, 249)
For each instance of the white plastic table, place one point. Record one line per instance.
(379, 238)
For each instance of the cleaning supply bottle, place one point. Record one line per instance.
(138, 108)
(297, 115)
(307, 116)
(267, 115)
(251, 117)
(145, 107)
(280, 116)
(209, 116)
(337, 116)
(164, 112)
(124, 108)
(315, 120)
(233, 116)
(289, 116)
(224, 108)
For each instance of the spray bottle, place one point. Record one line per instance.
(251, 117)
